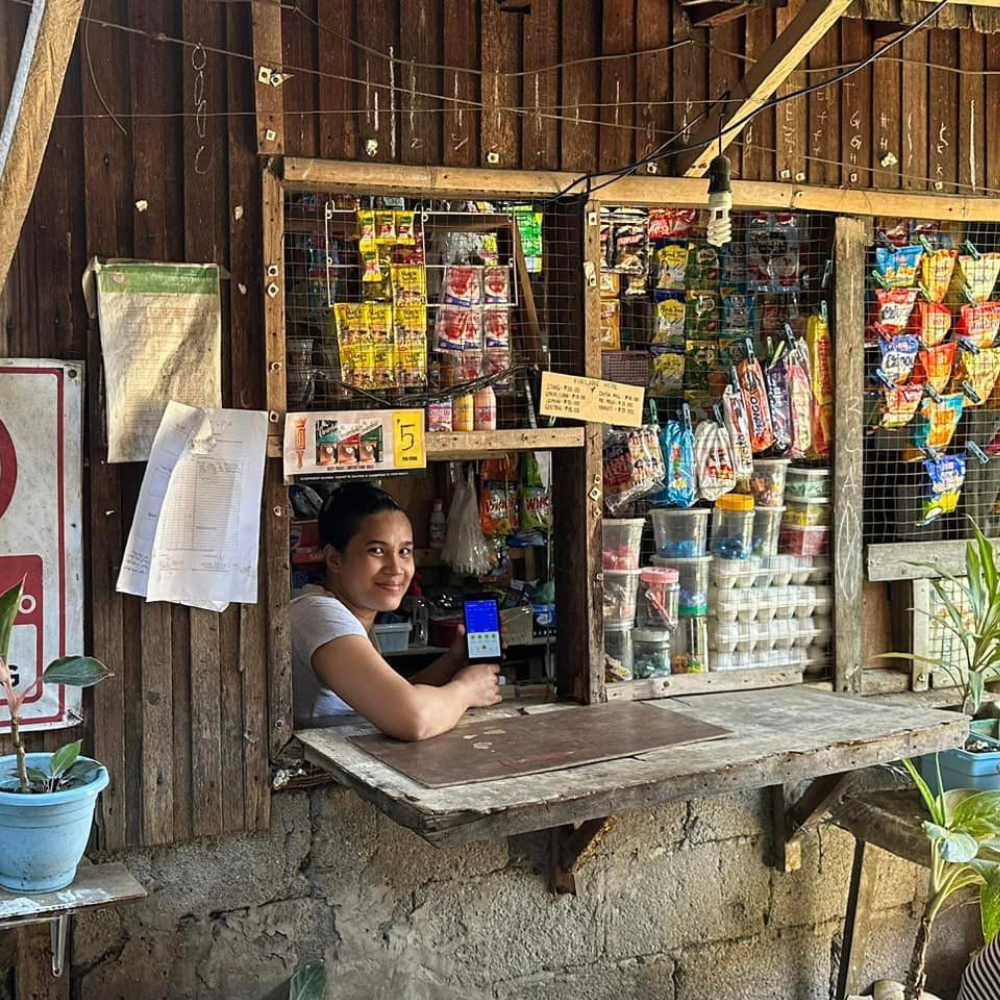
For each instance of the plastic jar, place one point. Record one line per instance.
(621, 542)
(767, 484)
(766, 528)
(680, 534)
(651, 652)
(807, 484)
(618, 648)
(690, 646)
(732, 526)
(620, 590)
(658, 598)
(798, 541)
(692, 576)
(808, 513)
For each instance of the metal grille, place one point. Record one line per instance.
(931, 398)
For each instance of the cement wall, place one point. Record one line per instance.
(679, 904)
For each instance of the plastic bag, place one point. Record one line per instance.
(734, 412)
(713, 460)
(633, 465)
(677, 443)
(758, 410)
(466, 550)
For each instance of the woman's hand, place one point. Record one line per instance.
(480, 681)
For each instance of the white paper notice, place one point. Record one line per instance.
(161, 337)
(195, 536)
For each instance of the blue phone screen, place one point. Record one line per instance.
(482, 628)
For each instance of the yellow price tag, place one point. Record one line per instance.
(408, 439)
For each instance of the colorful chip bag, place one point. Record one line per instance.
(978, 373)
(666, 371)
(898, 266)
(893, 308)
(670, 322)
(945, 478)
(672, 223)
(713, 460)
(462, 285)
(671, 267)
(898, 406)
(610, 324)
(934, 365)
(934, 425)
(496, 326)
(936, 270)
(458, 329)
(930, 321)
(978, 324)
(899, 355)
(496, 285)
(820, 359)
(977, 275)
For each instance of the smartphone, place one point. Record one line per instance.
(482, 630)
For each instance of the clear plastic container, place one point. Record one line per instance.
(693, 583)
(738, 573)
(621, 587)
(690, 646)
(804, 541)
(766, 527)
(680, 534)
(618, 648)
(621, 542)
(732, 526)
(658, 598)
(767, 484)
(808, 513)
(807, 484)
(651, 652)
(393, 637)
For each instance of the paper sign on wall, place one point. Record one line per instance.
(591, 399)
(41, 518)
(353, 441)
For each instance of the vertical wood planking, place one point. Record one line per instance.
(653, 116)
(915, 112)
(725, 71)
(887, 136)
(792, 116)
(971, 113)
(249, 669)
(500, 129)
(942, 125)
(824, 114)
(268, 100)
(461, 49)
(687, 68)
(421, 41)
(379, 71)
(581, 86)
(856, 106)
(991, 113)
(758, 136)
(539, 126)
(617, 85)
(337, 58)
(848, 445)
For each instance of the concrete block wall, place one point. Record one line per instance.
(678, 904)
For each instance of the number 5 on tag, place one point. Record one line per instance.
(408, 439)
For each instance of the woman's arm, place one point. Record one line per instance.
(446, 666)
(353, 669)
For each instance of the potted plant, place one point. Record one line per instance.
(47, 800)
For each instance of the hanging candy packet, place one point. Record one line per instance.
(677, 443)
(780, 404)
(610, 324)
(632, 465)
(463, 285)
(405, 233)
(978, 373)
(671, 267)
(496, 326)
(934, 425)
(630, 242)
(408, 285)
(734, 413)
(936, 270)
(772, 258)
(892, 310)
(611, 284)
(820, 360)
(670, 317)
(737, 314)
(893, 231)
(934, 366)
(930, 321)
(898, 267)
(703, 316)
(672, 223)
(945, 478)
(703, 267)
(800, 404)
(536, 498)
(457, 329)
(754, 392)
(713, 460)
(899, 355)
(666, 371)
(496, 285)
(979, 324)
(899, 404)
(977, 275)
(366, 231)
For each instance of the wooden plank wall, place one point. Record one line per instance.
(184, 725)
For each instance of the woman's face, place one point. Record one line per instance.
(374, 571)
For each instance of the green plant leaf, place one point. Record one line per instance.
(76, 671)
(930, 800)
(977, 687)
(955, 846)
(308, 983)
(64, 758)
(10, 602)
(978, 815)
(39, 778)
(989, 904)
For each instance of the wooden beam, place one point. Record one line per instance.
(45, 54)
(760, 83)
(571, 848)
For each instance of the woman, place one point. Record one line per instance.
(336, 666)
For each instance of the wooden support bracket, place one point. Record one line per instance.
(571, 847)
(793, 821)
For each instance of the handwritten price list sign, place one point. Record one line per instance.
(591, 399)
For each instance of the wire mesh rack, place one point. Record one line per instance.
(932, 401)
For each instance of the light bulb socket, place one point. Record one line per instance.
(719, 181)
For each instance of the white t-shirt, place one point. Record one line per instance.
(317, 617)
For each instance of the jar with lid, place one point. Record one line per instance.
(658, 598)
(651, 652)
(732, 526)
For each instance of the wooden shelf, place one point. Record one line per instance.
(715, 681)
(444, 447)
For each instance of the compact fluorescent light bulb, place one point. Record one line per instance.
(720, 202)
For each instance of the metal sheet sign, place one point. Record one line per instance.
(41, 519)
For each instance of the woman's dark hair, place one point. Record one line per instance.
(345, 509)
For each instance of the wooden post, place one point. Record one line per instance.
(33, 976)
(45, 54)
(848, 449)
(856, 921)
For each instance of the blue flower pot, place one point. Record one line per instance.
(43, 836)
(961, 769)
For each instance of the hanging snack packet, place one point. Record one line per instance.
(670, 317)
(672, 223)
(755, 394)
(772, 259)
(496, 285)
(366, 231)
(611, 284)
(713, 460)
(703, 316)
(893, 231)
(498, 508)
(899, 404)
(934, 366)
(666, 371)
(821, 382)
(671, 267)
(536, 500)
(610, 324)
(630, 243)
(978, 275)
(930, 321)
(734, 412)
(899, 355)
(800, 404)
(934, 425)
(946, 476)
(496, 326)
(977, 372)
(463, 285)
(457, 329)
(898, 267)
(703, 267)
(677, 444)
(734, 266)
(607, 231)
(632, 465)
(405, 232)
(737, 314)
(979, 324)
(780, 404)
(408, 285)
(936, 270)
(892, 311)
(385, 228)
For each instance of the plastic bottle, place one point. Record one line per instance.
(463, 413)
(437, 528)
(419, 616)
(485, 409)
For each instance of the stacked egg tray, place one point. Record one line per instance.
(770, 611)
